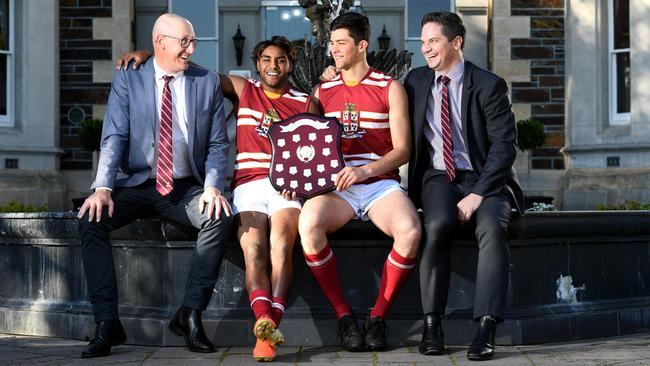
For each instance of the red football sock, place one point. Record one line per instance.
(260, 302)
(277, 309)
(396, 271)
(323, 267)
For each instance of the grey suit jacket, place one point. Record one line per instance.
(130, 124)
(489, 131)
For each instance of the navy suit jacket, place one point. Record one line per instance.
(489, 130)
(130, 124)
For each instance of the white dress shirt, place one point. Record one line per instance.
(432, 129)
(182, 167)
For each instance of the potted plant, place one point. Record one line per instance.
(90, 137)
(530, 135)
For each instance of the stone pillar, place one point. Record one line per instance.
(594, 146)
(33, 140)
(528, 52)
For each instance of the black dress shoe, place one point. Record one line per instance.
(376, 333)
(433, 340)
(482, 347)
(348, 333)
(187, 323)
(108, 333)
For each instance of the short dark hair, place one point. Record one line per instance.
(357, 25)
(277, 41)
(452, 25)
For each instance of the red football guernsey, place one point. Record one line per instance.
(363, 112)
(255, 114)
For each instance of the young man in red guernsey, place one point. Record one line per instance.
(266, 220)
(373, 110)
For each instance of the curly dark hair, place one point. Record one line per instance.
(278, 41)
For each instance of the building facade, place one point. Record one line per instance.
(573, 65)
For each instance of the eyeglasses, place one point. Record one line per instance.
(185, 42)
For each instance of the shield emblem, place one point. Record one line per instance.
(306, 154)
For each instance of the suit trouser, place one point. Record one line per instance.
(180, 206)
(490, 223)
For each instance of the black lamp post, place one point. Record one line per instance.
(384, 39)
(238, 40)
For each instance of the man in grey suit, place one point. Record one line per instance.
(164, 150)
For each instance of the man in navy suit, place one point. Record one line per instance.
(461, 174)
(164, 149)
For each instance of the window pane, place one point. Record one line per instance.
(202, 14)
(623, 82)
(3, 85)
(416, 60)
(288, 21)
(621, 24)
(206, 54)
(417, 8)
(4, 24)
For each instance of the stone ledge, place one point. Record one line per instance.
(43, 291)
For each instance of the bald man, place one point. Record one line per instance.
(164, 149)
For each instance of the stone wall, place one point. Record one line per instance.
(92, 34)
(78, 49)
(544, 49)
(573, 275)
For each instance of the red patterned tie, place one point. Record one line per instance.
(164, 182)
(445, 126)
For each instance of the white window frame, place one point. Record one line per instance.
(615, 118)
(7, 120)
(170, 6)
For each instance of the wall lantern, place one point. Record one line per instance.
(238, 40)
(384, 40)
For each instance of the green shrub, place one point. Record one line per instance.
(14, 206)
(625, 206)
(90, 134)
(530, 134)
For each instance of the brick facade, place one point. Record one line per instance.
(545, 89)
(78, 49)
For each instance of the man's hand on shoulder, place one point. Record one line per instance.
(95, 204)
(348, 176)
(215, 203)
(329, 73)
(467, 206)
(139, 57)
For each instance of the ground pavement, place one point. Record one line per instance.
(620, 351)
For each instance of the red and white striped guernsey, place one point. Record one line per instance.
(255, 114)
(363, 111)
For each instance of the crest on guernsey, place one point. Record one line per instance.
(271, 116)
(306, 154)
(350, 122)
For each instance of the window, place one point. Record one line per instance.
(204, 16)
(6, 62)
(289, 21)
(415, 9)
(287, 18)
(619, 62)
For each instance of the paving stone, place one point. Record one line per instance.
(176, 362)
(184, 353)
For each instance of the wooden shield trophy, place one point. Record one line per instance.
(306, 154)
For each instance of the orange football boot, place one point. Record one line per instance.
(264, 350)
(264, 327)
